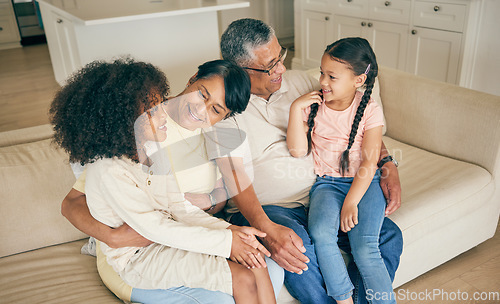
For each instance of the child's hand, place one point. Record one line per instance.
(251, 238)
(243, 253)
(306, 100)
(348, 216)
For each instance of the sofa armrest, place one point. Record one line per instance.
(442, 118)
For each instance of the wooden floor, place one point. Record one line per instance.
(27, 86)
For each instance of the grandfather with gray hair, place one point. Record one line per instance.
(275, 200)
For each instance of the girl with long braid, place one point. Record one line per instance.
(342, 127)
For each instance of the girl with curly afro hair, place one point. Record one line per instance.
(110, 117)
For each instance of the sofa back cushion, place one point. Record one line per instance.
(35, 177)
(442, 118)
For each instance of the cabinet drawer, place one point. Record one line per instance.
(8, 30)
(316, 5)
(444, 16)
(397, 11)
(353, 8)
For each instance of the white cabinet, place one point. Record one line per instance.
(435, 54)
(63, 46)
(383, 23)
(81, 31)
(424, 37)
(436, 40)
(318, 34)
(389, 40)
(9, 34)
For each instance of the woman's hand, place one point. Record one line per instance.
(348, 216)
(306, 100)
(246, 249)
(202, 201)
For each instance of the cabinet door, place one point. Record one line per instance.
(63, 47)
(8, 30)
(317, 29)
(389, 42)
(434, 54)
(348, 27)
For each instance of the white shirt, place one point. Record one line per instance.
(279, 178)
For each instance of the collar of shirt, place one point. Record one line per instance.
(274, 96)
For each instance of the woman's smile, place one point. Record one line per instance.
(193, 115)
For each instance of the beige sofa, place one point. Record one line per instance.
(446, 139)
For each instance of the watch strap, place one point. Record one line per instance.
(385, 160)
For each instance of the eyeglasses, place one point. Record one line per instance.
(271, 70)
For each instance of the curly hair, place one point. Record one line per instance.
(93, 115)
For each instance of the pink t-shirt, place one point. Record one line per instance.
(330, 135)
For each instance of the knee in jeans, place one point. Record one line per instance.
(365, 252)
(322, 235)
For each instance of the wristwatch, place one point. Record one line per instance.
(386, 159)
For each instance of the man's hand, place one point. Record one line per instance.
(391, 187)
(124, 236)
(286, 248)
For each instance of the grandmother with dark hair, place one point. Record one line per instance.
(113, 118)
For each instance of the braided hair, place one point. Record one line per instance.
(358, 55)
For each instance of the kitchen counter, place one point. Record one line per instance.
(92, 12)
(175, 35)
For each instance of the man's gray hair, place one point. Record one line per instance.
(242, 37)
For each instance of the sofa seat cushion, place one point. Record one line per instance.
(57, 274)
(433, 189)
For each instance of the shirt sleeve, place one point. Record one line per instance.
(374, 116)
(80, 182)
(181, 228)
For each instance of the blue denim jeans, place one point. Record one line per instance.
(309, 287)
(326, 201)
(180, 295)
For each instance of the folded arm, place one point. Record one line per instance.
(74, 208)
(204, 200)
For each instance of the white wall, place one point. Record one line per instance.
(257, 10)
(277, 13)
(486, 68)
